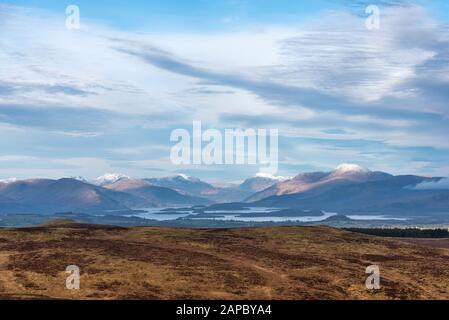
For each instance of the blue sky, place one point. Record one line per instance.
(106, 97)
(202, 14)
(191, 15)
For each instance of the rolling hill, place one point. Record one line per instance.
(261, 263)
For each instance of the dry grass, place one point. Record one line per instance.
(268, 263)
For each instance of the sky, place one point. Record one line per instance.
(106, 97)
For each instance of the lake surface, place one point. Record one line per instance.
(234, 215)
(226, 215)
(374, 217)
(157, 214)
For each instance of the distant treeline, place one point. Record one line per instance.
(403, 233)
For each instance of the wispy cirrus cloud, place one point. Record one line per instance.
(327, 78)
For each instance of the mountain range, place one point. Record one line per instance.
(353, 189)
(117, 192)
(233, 193)
(349, 188)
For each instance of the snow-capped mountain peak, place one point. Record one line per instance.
(110, 178)
(272, 177)
(261, 182)
(186, 177)
(350, 168)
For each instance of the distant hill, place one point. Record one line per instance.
(195, 187)
(355, 190)
(321, 181)
(184, 184)
(155, 196)
(347, 189)
(260, 183)
(48, 196)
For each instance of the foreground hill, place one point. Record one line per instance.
(268, 263)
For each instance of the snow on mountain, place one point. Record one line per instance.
(183, 183)
(261, 182)
(350, 168)
(272, 177)
(185, 177)
(109, 178)
(9, 180)
(80, 178)
(356, 173)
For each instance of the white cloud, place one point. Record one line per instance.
(339, 58)
(302, 79)
(434, 185)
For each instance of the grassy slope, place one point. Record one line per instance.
(266, 263)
